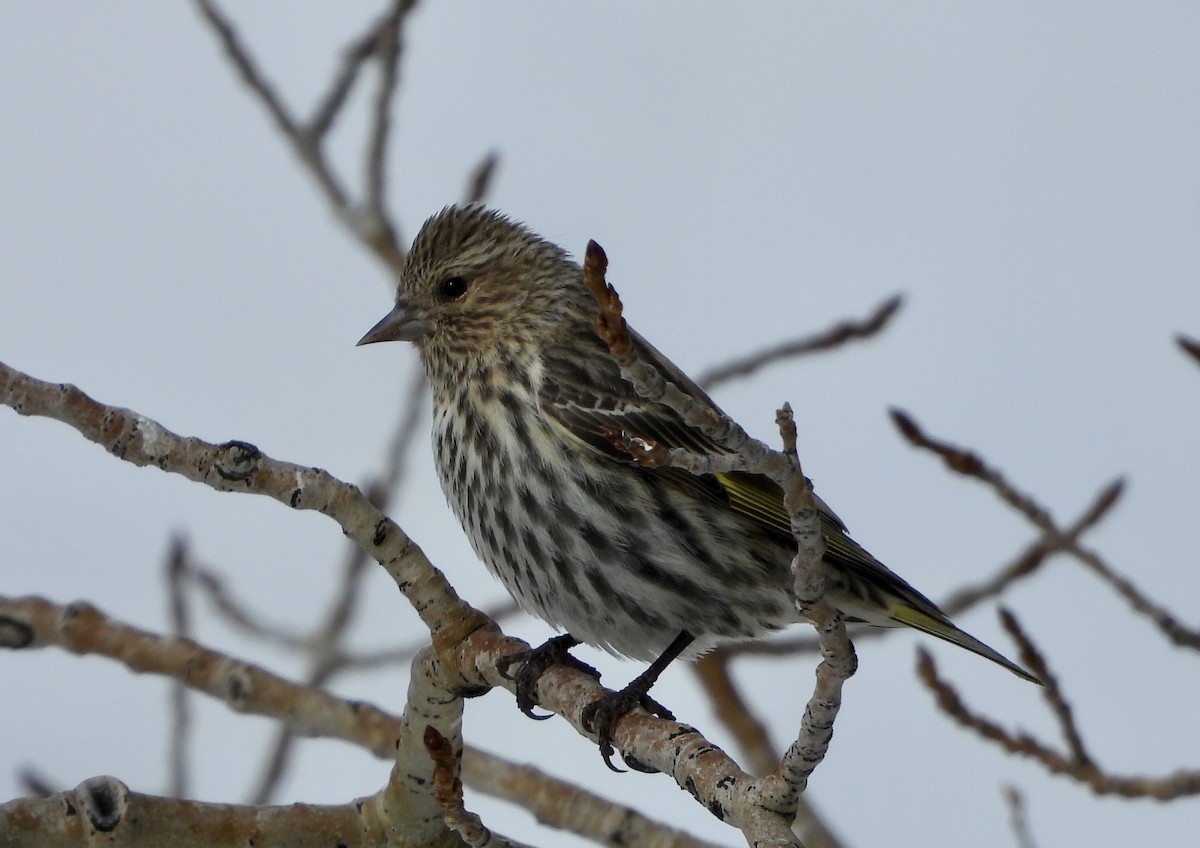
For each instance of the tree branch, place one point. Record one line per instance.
(467, 644)
(27, 623)
(834, 337)
(971, 464)
(1177, 785)
(368, 219)
(778, 793)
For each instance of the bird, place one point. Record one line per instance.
(530, 412)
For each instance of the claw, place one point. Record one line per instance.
(532, 665)
(601, 714)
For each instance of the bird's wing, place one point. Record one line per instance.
(592, 405)
(595, 406)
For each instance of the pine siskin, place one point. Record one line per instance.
(648, 563)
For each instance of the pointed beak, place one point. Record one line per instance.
(399, 325)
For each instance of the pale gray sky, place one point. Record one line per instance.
(1026, 174)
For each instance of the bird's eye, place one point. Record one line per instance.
(452, 288)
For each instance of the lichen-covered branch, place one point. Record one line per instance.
(29, 623)
(32, 622)
(103, 809)
(776, 794)
(237, 466)
(468, 645)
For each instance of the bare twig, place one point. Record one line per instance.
(250, 74)
(367, 218)
(239, 466)
(383, 488)
(778, 792)
(375, 178)
(1037, 553)
(388, 51)
(36, 783)
(1171, 786)
(1052, 692)
(386, 657)
(29, 623)
(970, 464)
(834, 337)
(1189, 346)
(1168, 624)
(237, 614)
(329, 108)
(325, 661)
(731, 709)
(735, 713)
(1023, 565)
(448, 792)
(469, 644)
(479, 185)
(569, 806)
(181, 716)
(105, 809)
(328, 655)
(1018, 818)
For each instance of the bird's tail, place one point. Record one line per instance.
(867, 590)
(944, 629)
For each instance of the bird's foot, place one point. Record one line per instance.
(534, 662)
(601, 714)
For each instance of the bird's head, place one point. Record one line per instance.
(475, 283)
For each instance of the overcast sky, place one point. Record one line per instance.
(1025, 174)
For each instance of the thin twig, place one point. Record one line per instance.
(731, 709)
(181, 628)
(1051, 691)
(1023, 565)
(834, 337)
(479, 184)
(403, 654)
(735, 713)
(1018, 818)
(970, 464)
(237, 614)
(328, 656)
(248, 70)
(1189, 346)
(36, 783)
(329, 108)
(387, 51)
(1177, 785)
(305, 146)
(1167, 623)
(241, 467)
(778, 792)
(368, 218)
(1037, 553)
(448, 791)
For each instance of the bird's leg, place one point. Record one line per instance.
(600, 715)
(534, 662)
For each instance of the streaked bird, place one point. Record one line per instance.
(529, 408)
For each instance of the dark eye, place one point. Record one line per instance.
(452, 288)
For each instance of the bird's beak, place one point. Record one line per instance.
(399, 325)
